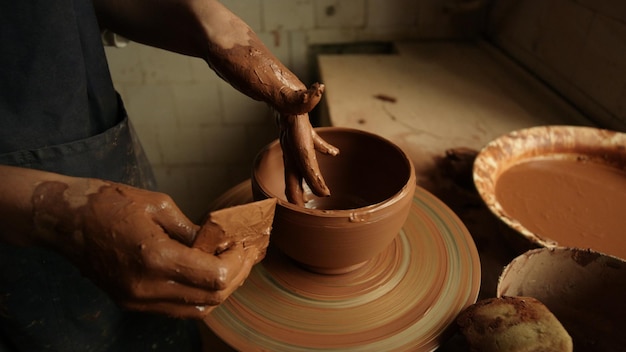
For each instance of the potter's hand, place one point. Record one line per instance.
(299, 143)
(239, 57)
(249, 66)
(135, 245)
(209, 30)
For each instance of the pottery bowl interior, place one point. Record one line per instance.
(584, 289)
(372, 183)
(575, 143)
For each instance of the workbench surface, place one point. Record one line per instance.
(441, 102)
(432, 96)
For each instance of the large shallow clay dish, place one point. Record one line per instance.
(404, 299)
(573, 189)
(584, 289)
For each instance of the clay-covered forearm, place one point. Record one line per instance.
(252, 69)
(23, 194)
(237, 54)
(208, 30)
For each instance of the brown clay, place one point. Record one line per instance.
(572, 202)
(373, 182)
(251, 68)
(558, 172)
(403, 299)
(249, 224)
(135, 244)
(209, 30)
(299, 143)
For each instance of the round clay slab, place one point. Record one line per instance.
(406, 298)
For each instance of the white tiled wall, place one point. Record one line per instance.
(200, 134)
(577, 46)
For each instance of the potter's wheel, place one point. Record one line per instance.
(403, 299)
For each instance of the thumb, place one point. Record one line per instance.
(176, 224)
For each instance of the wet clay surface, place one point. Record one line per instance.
(569, 195)
(449, 178)
(247, 65)
(239, 57)
(432, 267)
(575, 203)
(133, 244)
(249, 224)
(373, 182)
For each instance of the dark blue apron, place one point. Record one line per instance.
(60, 113)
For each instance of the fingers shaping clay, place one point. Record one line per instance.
(513, 324)
(249, 224)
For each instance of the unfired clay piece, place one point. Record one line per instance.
(373, 182)
(249, 224)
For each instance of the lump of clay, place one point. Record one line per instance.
(513, 324)
(249, 224)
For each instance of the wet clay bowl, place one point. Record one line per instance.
(372, 182)
(558, 186)
(584, 289)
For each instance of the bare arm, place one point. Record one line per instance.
(208, 30)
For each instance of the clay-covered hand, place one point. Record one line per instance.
(299, 142)
(237, 55)
(136, 245)
(262, 77)
(209, 30)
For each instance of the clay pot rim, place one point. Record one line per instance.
(500, 154)
(342, 213)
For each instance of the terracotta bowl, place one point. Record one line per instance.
(372, 183)
(581, 202)
(584, 289)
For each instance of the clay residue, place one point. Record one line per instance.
(386, 98)
(49, 195)
(56, 212)
(584, 258)
(252, 69)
